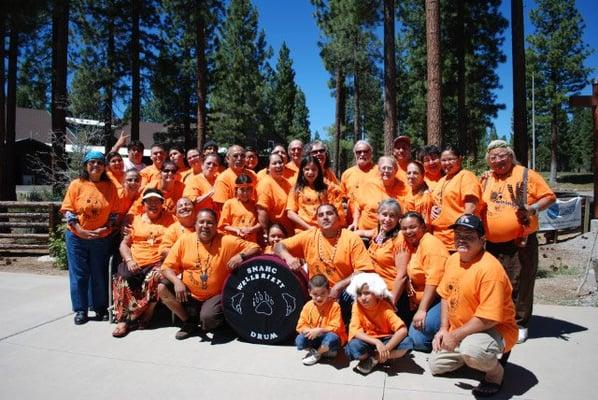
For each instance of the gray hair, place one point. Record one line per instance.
(500, 144)
(364, 142)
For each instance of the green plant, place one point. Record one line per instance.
(57, 247)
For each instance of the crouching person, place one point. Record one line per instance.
(320, 326)
(203, 259)
(477, 313)
(376, 333)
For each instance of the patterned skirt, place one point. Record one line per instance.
(133, 293)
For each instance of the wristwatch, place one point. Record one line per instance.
(243, 256)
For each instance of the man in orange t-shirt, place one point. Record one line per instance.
(153, 172)
(204, 258)
(477, 313)
(329, 250)
(512, 197)
(364, 169)
(224, 187)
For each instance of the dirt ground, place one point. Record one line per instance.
(561, 270)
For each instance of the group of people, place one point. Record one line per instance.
(403, 254)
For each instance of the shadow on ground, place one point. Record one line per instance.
(541, 327)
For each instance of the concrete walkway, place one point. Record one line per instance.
(44, 355)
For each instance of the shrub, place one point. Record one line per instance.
(57, 247)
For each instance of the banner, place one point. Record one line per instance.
(563, 214)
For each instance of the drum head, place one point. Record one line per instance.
(262, 300)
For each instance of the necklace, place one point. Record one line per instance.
(328, 263)
(204, 271)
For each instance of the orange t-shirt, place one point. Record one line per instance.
(224, 187)
(188, 173)
(272, 195)
(354, 177)
(499, 215)
(380, 321)
(431, 182)
(170, 198)
(195, 259)
(306, 202)
(401, 174)
(383, 257)
(92, 202)
(421, 203)
(368, 197)
(330, 177)
(293, 171)
(238, 214)
(336, 259)
(328, 316)
(147, 236)
(426, 265)
(172, 233)
(449, 194)
(117, 180)
(197, 186)
(480, 288)
(149, 174)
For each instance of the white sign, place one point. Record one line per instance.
(563, 214)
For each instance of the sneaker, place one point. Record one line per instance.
(366, 366)
(312, 357)
(186, 331)
(522, 335)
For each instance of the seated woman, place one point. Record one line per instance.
(477, 313)
(275, 234)
(427, 256)
(136, 282)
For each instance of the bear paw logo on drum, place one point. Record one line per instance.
(262, 303)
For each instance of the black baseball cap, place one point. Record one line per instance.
(469, 221)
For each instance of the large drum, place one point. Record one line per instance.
(263, 298)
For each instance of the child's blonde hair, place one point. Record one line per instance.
(375, 284)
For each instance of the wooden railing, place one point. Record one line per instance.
(25, 226)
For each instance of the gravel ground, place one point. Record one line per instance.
(562, 267)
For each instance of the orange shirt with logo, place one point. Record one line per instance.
(306, 202)
(334, 258)
(195, 259)
(146, 238)
(328, 316)
(224, 187)
(383, 257)
(92, 202)
(499, 207)
(480, 288)
(272, 196)
(380, 321)
(449, 194)
(353, 178)
(368, 197)
(426, 265)
(238, 214)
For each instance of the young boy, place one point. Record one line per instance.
(376, 333)
(320, 326)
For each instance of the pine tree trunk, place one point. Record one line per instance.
(2, 112)
(461, 84)
(390, 77)
(519, 92)
(340, 116)
(60, 34)
(434, 106)
(356, 108)
(553, 143)
(9, 189)
(135, 67)
(108, 137)
(200, 31)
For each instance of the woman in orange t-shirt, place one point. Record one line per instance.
(427, 256)
(456, 193)
(239, 214)
(419, 198)
(200, 188)
(89, 206)
(176, 154)
(115, 169)
(272, 194)
(309, 192)
(194, 161)
(168, 185)
(136, 283)
(276, 233)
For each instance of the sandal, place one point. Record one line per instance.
(486, 389)
(120, 331)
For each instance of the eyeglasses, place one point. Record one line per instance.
(318, 151)
(498, 157)
(362, 151)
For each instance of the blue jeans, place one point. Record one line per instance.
(345, 300)
(422, 340)
(88, 271)
(329, 339)
(357, 348)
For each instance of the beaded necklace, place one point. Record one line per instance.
(328, 263)
(204, 271)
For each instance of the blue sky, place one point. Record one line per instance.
(292, 21)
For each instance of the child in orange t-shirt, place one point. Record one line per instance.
(320, 326)
(376, 333)
(276, 233)
(239, 214)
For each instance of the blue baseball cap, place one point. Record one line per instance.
(94, 155)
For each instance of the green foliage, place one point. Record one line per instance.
(57, 247)
(300, 124)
